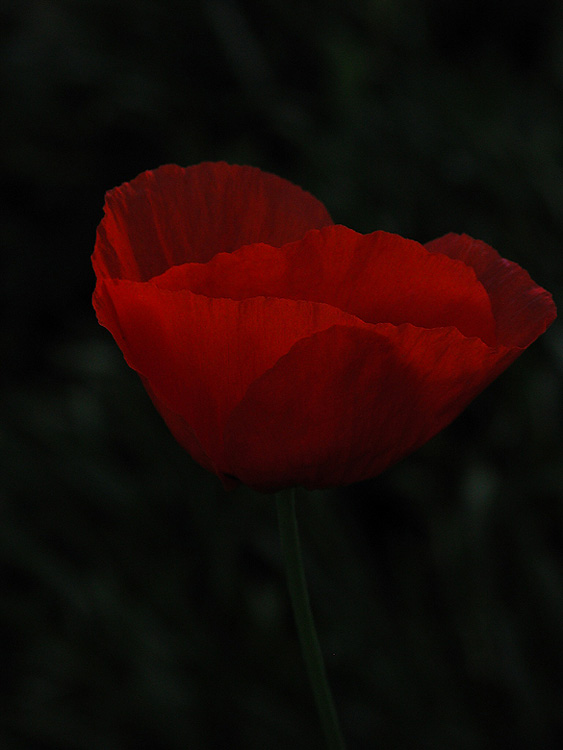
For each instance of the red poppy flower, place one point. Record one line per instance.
(282, 349)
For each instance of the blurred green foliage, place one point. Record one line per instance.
(141, 606)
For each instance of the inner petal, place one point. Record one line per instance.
(174, 215)
(379, 277)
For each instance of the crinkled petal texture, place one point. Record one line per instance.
(284, 350)
(173, 215)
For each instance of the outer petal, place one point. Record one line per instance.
(379, 277)
(198, 356)
(522, 309)
(346, 403)
(174, 215)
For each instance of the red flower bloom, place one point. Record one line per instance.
(282, 349)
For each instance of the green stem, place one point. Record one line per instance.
(304, 619)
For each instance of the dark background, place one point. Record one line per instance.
(140, 605)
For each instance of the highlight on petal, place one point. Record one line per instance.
(174, 215)
(197, 355)
(379, 277)
(347, 402)
(522, 309)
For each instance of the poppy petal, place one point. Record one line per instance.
(198, 355)
(379, 277)
(174, 215)
(348, 402)
(522, 309)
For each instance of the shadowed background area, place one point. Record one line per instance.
(141, 606)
